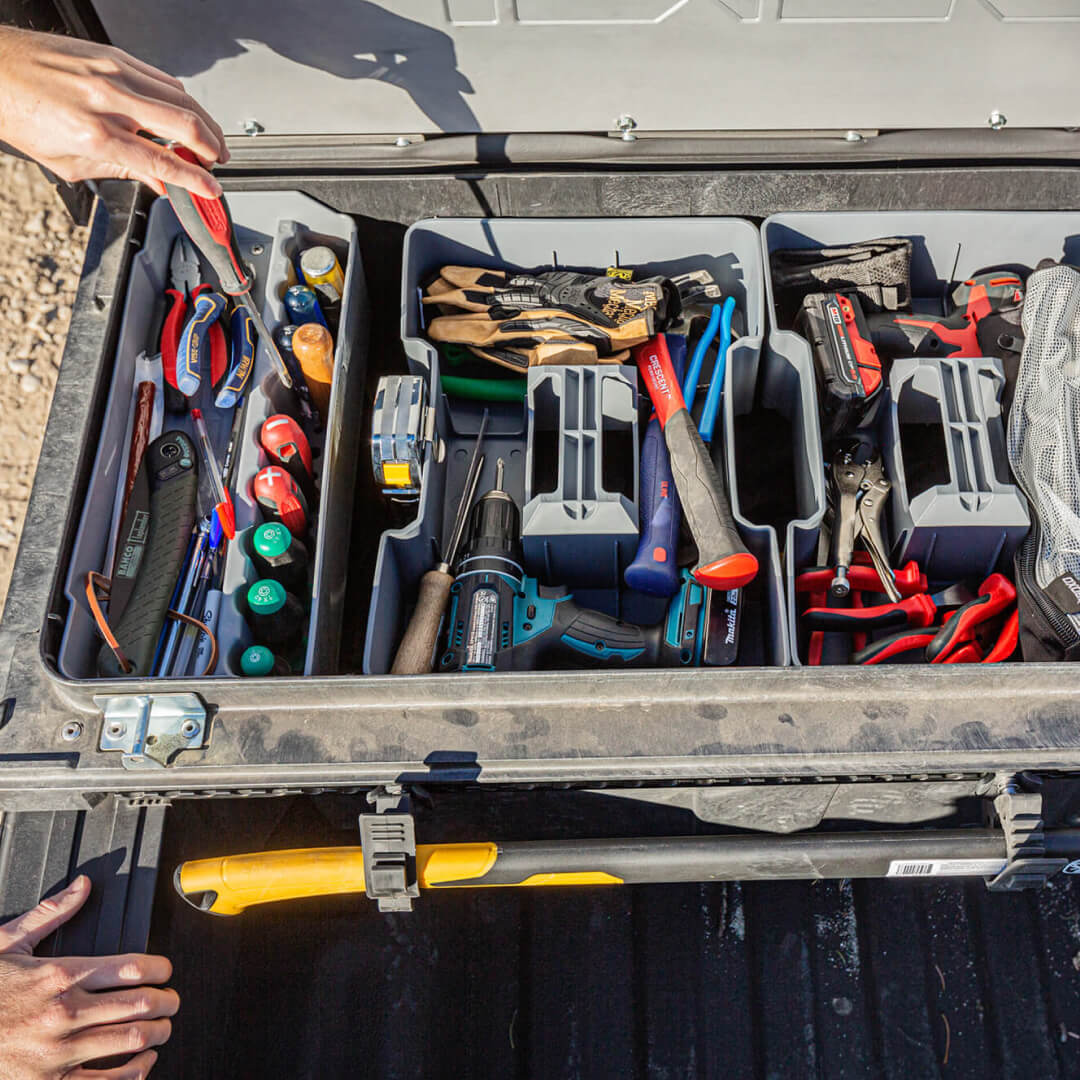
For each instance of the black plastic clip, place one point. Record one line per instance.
(388, 841)
(1020, 815)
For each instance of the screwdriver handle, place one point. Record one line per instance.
(417, 649)
(209, 224)
(723, 561)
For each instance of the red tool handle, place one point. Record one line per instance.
(909, 579)
(905, 641)
(170, 334)
(996, 594)
(209, 224)
(916, 611)
(1007, 641)
(281, 500)
(723, 561)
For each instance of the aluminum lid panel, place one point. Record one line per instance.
(424, 66)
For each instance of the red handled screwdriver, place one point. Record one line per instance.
(209, 224)
(286, 445)
(280, 499)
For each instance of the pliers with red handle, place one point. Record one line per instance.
(185, 285)
(996, 595)
(912, 612)
(955, 641)
(863, 578)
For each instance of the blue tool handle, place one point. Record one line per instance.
(711, 410)
(654, 569)
(693, 375)
(194, 341)
(242, 355)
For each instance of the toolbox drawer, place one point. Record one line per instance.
(271, 230)
(345, 723)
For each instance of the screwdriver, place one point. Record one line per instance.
(210, 226)
(224, 508)
(414, 654)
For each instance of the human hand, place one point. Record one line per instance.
(56, 1014)
(76, 106)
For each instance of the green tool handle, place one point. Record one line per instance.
(483, 389)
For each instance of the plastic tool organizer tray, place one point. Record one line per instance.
(727, 248)
(970, 241)
(271, 228)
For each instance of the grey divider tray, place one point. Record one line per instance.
(781, 375)
(268, 227)
(973, 521)
(571, 525)
(727, 247)
(970, 239)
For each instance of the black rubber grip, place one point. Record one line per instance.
(172, 517)
(701, 493)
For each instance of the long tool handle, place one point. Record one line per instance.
(229, 885)
(417, 649)
(723, 561)
(654, 569)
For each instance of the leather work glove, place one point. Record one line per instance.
(551, 317)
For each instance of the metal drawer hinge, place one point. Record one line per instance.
(388, 841)
(1020, 815)
(149, 730)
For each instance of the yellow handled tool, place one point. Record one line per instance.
(228, 885)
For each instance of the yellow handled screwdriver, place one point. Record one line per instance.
(417, 648)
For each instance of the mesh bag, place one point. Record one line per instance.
(1044, 443)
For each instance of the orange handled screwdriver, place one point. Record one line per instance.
(209, 224)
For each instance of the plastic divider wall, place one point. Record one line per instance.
(727, 247)
(970, 241)
(270, 227)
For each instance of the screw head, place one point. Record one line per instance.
(251, 127)
(626, 125)
(853, 136)
(403, 141)
(997, 120)
(189, 729)
(256, 250)
(117, 729)
(71, 731)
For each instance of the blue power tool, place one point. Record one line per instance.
(502, 620)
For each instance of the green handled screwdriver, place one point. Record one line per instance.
(209, 224)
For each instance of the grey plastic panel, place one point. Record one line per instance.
(545, 65)
(971, 522)
(728, 248)
(571, 526)
(269, 226)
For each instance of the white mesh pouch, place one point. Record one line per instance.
(1044, 430)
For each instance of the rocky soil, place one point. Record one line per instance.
(41, 253)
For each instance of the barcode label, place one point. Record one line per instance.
(946, 868)
(911, 869)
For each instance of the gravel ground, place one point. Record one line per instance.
(41, 253)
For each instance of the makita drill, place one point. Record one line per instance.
(849, 344)
(502, 620)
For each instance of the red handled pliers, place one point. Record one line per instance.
(956, 640)
(185, 284)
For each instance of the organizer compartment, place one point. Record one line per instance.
(948, 246)
(271, 228)
(726, 248)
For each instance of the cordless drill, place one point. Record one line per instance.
(849, 344)
(502, 620)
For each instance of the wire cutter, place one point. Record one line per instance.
(187, 293)
(860, 494)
